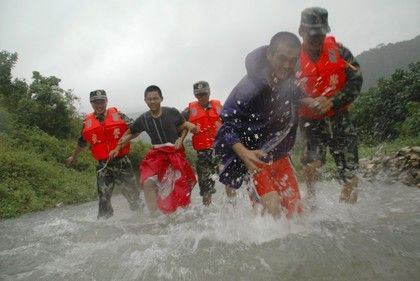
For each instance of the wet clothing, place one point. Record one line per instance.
(339, 135)
(162, 129)
(117, 172)
(336, 132)
(279, 177)
(163, 164)
(254, 114)
(103, 136)
(172, 174)
(207, 164)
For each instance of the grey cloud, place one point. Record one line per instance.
(123, 46)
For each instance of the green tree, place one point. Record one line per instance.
(10, 91)
(390, 110)
(49, 107)
(7, 62)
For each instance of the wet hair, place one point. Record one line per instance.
(287, 38)
(153, 88)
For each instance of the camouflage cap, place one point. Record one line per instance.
(98, 95)
(315, 19)
(201, 87)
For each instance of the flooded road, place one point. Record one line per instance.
(376, 239)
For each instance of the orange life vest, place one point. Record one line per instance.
(325, 77)
(103, 137)
(209, 122)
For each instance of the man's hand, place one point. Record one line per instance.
(71, 161)
(324, 104)
(73, 157)
(251, 158)
(125, 138)
(320, 105)
(114, 153)
(195, 129)
(178, 143)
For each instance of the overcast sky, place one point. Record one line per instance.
(123, 46)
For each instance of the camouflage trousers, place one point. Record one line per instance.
(207, 166)
(117, 172)
(338, 134)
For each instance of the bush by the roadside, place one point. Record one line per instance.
(35, 177)
(390, 110)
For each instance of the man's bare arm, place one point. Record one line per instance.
(124, 140)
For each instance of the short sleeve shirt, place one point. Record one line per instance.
(162, 129)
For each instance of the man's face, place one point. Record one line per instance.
(99, 106)
(283, 61)
(312, 43)
(203, 98)
(153, 100)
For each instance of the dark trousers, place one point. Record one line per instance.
(117, 172)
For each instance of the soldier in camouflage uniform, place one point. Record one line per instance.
(205, 114)
(102, 138)
(330, 75)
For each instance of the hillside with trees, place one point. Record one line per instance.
(382, 61)
(391, 110)
(38, 127)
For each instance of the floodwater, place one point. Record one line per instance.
(376, 239)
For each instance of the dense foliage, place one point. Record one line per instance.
(390, 110)
(42, 104)
(33, 175)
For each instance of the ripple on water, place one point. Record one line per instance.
(376, 239)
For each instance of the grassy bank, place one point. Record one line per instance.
(34, 177)
(387, 148)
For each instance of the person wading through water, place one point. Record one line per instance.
(260, 119)
(165, 174)
(327, 72)
(102, 129)
(205, 114)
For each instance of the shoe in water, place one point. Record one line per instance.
(207, 199)
(348, 195)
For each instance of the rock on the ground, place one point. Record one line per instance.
(403, 166)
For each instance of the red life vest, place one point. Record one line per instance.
(325, 77)
(104, 137)
(209, 122)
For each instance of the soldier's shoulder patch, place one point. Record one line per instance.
(88, 123)
(332, 56)
(194, 111)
